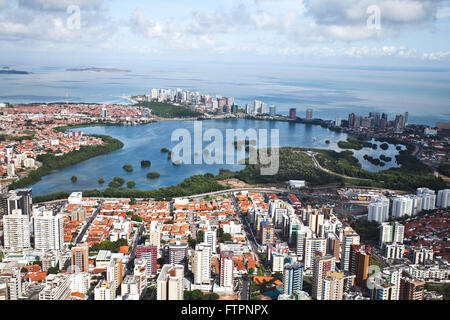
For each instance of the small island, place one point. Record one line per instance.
(131, 184)
(153, 175)
(96, 70)
(146, 163)
(74, 179)
(128, 168)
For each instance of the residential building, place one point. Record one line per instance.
(322, 266)
(292, 278)
(170, 283)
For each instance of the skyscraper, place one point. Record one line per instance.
(202, 264)
(443, 198)
(226, 269)
(79, 258)
(178, 253)
(322, 266)
(309, 114)
(169, 284)
(16, 230)
(333, 286)
(292, 114)
(210, 237)
(150, 255)
(292, 278)
(428, 198)
(379, 209)
(391, 232)
(359, 264)
(48, 230)
(312, 248)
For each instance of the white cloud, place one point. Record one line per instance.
(436, 56)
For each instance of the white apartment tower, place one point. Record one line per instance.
(16, 230)
(48, 230)
(379, 209)
(443, 198)
(202, 264)
(428, 198)
(170, 283)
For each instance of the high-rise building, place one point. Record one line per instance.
(410, 288)
(309, 114)
(338, 122)
(48, 230)
(322, 266)
(391, 232)
(292, 278)
(115, 272)
(333, 286)
(350, 237)
(16, 230)
(272, 111)
(443, 198)
(302, 234)
(292, 114)
(313, 247)
(178, 253)
(359, 263)
(210, 237)
(428, 198)
(80, 258)
(315, 220)
(57, 287)
(393, 275)
(169, 284)
(267, 233)
(401, 206)
(105, 291)
(150, 255)
(226, 269)
(379, 209)
(277, 263)
(202, 264)
(382, 291)
(140, 271)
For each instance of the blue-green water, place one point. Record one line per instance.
(145, 142)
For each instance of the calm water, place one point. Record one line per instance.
(331, 91)
(145, 142)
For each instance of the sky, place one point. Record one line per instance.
(105, 32)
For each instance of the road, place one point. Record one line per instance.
(317, 164)
(130, 265)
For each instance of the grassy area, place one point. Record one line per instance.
(294, 164)
(167, 110)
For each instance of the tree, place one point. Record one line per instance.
(136, 218)
(132, 201)
(53, 270)
(74, 179)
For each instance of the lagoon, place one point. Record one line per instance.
(145, 142)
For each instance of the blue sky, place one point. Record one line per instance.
(411, 32)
